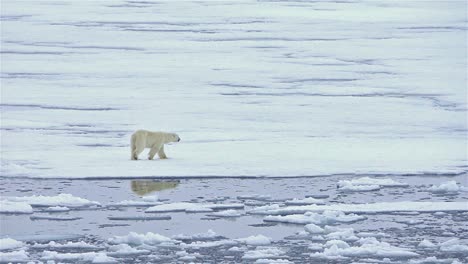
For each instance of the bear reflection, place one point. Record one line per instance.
(146, 187)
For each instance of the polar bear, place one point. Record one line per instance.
(142, 139)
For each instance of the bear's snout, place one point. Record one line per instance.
(178, 139)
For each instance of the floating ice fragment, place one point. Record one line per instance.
(9, 243)
(62, 199)
(264, 253)
(227, 213)
(258, 240)
(15, 207)
(138, 239)
(14, 256)
(309, 200)
(327, 217)
(447, 187)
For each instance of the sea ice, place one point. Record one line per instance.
(264, 253)
(15, 207)
(368, 184)
(309, 200)
(14, 256)
(9, 243)
(191, 207)
(327, 217)
(258, 240)
(226, 213)
(381, 207)
(447, 187)
(138, 239)
(63, 199)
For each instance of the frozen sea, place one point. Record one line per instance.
(312, 131)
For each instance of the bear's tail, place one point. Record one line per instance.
(133, 147)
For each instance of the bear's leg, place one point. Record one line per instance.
(139, 147)
(154, 149)
(161, 153)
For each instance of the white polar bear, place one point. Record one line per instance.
(142, 139)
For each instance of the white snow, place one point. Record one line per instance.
(327, 217)
(191, 207)
(447, 187)
(258, 240)
(453, 245)
(63, 199)
(14, 256)
(210, 234)
(134, 238)
(382, 207)
(426, 244)
(226, 213)
(273, 261)
(93, 257)
(263, 253)
(125, 250)
(368, 184)
(350, 93)
(309, 200)
(313, 229)
(9, 243)
(69, 244)
(15, 207)
(369, 247)
(210, 244)
(57, 209)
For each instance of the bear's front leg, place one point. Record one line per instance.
(161, 153)
(153, 151)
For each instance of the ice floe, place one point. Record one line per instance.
(325, 218)
(63, 199)
(264, 253)
(54, 218)
(258, 240)
(93, 257)
(368, 247)
(192, 207)
(15, 207)
(314, 229)
(226, 213)
(9, 243)
(54, 209)
(308, 200)
(67, 245)
(134, 238)
(368, 184)
(273, 261)
(125, 250)
(453, 245)
(447, 187)
(382, 207)
(14, 256)
(209, 235)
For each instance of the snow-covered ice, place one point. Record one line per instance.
(15, 207)
(63, 199)
(366, 96)
(258, 240)
(14, 256)
(327, 217)
(9, 243)
(270, 88)
(447, 187)
(383, 207)
(139, 239)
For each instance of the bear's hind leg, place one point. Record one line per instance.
(154, 149)
(138, 148)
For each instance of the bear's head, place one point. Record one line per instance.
(173, 137)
